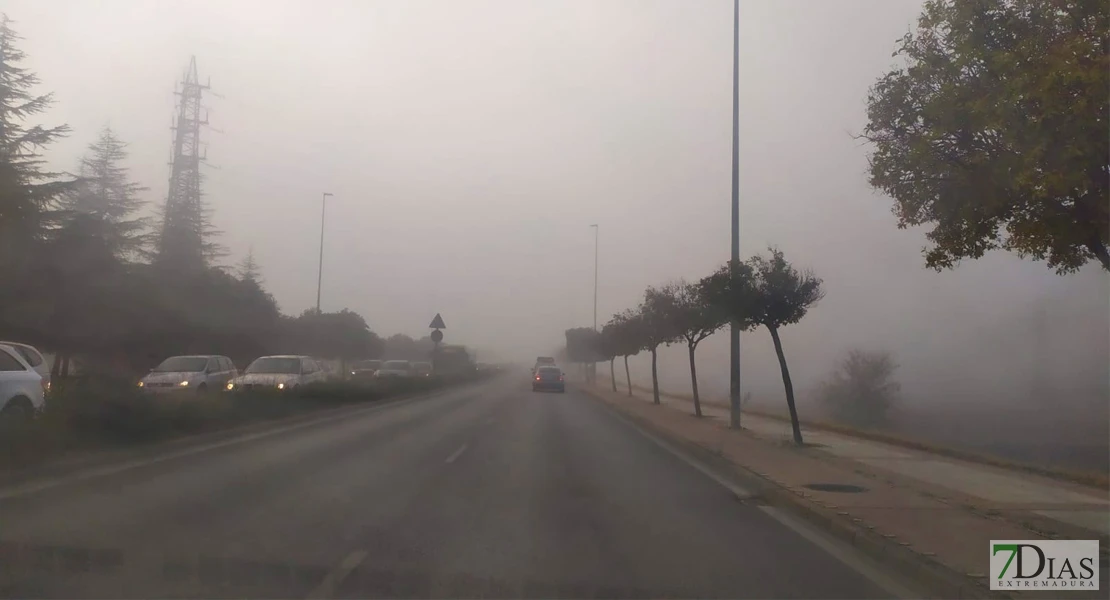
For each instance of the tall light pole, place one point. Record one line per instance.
(596, 233)
(734, 330)
(593, 366)
(320, 271)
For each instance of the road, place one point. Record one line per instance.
(487, 491)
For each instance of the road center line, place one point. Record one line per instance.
(331, 582)
(457, 453)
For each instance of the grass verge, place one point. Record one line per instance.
(98, 414)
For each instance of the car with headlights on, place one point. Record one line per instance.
(393, 369)
(365, 369)
(197, 374)
(422, 369)
(284, 372)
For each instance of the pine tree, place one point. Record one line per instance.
(26, 189)
(249, 271)
(103, 204)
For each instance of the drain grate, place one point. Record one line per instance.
(842, 488)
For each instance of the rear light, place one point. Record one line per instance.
(560, 378)
(537, 377)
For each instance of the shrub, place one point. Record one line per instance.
(861, 391)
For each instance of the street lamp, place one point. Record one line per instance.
(320, 271)
(734, 330)
(596, 233)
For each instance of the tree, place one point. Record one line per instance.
(861, 391)
(27, 191)
(625, 333)
(249, 271)
(694, 318)
(656, 328)
(607, 348)
(782, 296)
(102, 203)
(995, 131)
(731, 290)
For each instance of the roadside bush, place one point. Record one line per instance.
(100, 412)
(861, 391)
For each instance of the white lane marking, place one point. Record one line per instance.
(332, 580)
(840, 550)
(38, 486)
(457, 453)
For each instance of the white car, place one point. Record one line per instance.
(34, 358)
(197, 374)
(22, 391)
(278, 373)
(395, 368)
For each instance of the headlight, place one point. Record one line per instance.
(141, 384)
(184, 383)
(230, 386)
(352, 372)
(281, 386)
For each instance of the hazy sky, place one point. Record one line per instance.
(470, 144)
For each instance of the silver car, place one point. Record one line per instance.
(278, 373)
(197, 374)
(395, 368)
(33, 358)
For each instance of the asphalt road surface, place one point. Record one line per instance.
(487, 491)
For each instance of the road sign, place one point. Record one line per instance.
(437, 323)
(437, 336)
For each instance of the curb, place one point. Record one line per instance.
(925, 571)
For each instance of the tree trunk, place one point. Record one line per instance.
(627, 375)
(694, 381)
(613, 373)
(654, 377)
(1099, 249)
(789, 386)
(65, 366)
(56, 368)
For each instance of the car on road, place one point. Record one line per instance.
(281, 372)
(364, 369)
(22, 391)
(196, 373)
(395, 368)
(542, 361)
(422, 369)
(33, 358)
(549, 377)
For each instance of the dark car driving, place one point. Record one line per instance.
(548, 378)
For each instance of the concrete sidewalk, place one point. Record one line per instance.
(1047, 505)
(941, 512)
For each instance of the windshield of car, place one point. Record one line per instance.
(367, 365)
(548, 371)
(182, 364)
(396, 365)
(276, 365)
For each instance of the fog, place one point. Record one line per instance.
(470, 145)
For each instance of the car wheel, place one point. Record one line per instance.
(18, 410)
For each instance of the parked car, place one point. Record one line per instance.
(22, 391)
(422, 369)
(365, 369)
(197, 374)
(549, 377)
(278, 373)
(395, 368)
(34, 358)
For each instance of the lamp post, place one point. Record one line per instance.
(593, 366)
(320, 271)
(734, 330)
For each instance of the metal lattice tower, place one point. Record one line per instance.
(182, 243)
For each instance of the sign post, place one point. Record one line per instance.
(437, 337)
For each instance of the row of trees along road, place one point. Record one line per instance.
(79, 269)
(764, 291)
